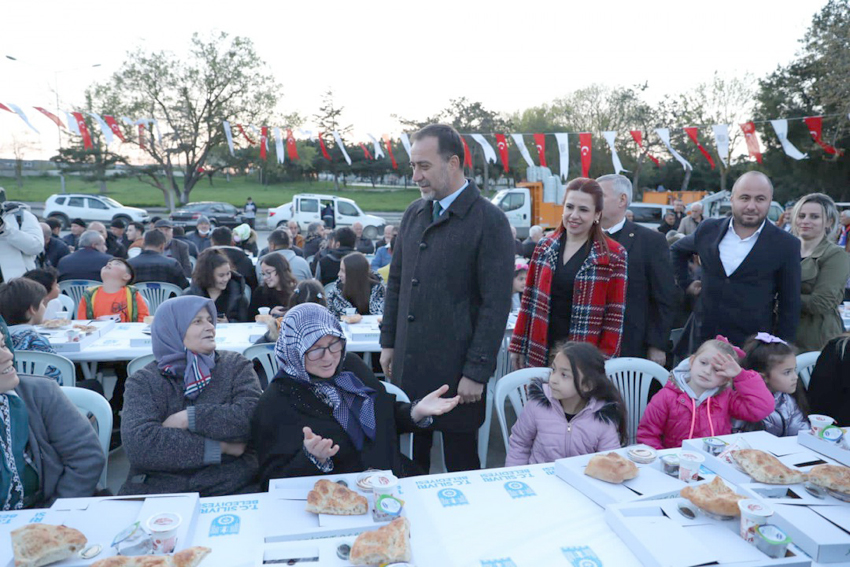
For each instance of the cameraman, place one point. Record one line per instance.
(21, 239)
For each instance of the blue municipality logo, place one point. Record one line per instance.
(518, 489)
(581, 556)
(451, 497)
(228, 524)
(503, 562)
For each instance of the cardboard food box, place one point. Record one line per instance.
(831, 450)
(59, 339)
(823, 532)
(660, 536)
(791, 494)
(650, 483)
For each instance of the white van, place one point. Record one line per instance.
(308, 207)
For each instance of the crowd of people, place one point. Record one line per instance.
(444, 281)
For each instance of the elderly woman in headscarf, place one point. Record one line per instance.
(325, 411)
(186, 421)
(48, 450)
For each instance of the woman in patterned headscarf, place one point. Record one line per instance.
(187, 414)
(325, 413)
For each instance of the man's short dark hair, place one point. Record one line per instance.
(449, 142)
(53, 224)
(179, 231)
(280, 239)
(118, 223)
(221, 236)
(45, 276)
(138, 226)
(154, 239)
(345, 236)
(17, 296)
(79, 222)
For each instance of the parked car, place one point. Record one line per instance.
(220, 214)
(308, 207)
(649, 215)
(66, 207)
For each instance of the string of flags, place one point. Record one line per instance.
(286, 145)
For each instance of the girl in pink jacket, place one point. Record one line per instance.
(698, 402)
(578, 411)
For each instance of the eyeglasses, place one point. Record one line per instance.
(319, 352)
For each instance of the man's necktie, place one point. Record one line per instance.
(435, 214)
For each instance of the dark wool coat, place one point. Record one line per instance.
(448, 299)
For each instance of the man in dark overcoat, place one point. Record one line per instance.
(448, 294)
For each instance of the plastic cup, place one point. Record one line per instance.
(264, 310)
(66, 315)
(384, 483)
(351, 311)
(163, 529)
(689, 464)
(753, 514)
(818, 422)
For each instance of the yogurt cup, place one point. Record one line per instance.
(713, 445)
(384, 483)
(771, 541)
(264, 310)
(753, 514)
(689, 463)
(350, 311)
(163, 529)
(819, 422)
(670, 463)
(831, 433)
(66, 315)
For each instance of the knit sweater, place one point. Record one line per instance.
(166, 459)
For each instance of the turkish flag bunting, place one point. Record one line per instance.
(586, 143)
(141, 135)
(540, 141)
(637, 136)
(264, 136)
(503, 150)
(4, 107)
(291, 148)
(815, 124)
(389, 146)
(84, 130)
(113, 125)
(752, 142)
(241, 129)
(467, 155)
(49, 115)
(325, 153)
(365, 151)
(692, 134)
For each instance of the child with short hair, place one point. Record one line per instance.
(520, 274)
(697, 400)
(776, 362)
(116, 296)
(576, 412)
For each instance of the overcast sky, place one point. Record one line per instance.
(407, 58)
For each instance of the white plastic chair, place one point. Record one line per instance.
(405, 440)
(89, 402)
(138, 363)
(512, 387)
(805, 365)
(75, 290)
(155, 293)
(503, 367)
(633, 377)
(33, 362)
(68, 304)
(264, 352)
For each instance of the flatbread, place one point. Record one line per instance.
(35, 545)
(834, 477)
(190, 557)
(54, 323)
(766, 468)
(85, 328)
(611, 468)
(331, 498)
(387, 544)
(352, 319)
(714, 497)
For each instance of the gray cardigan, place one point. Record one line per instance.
(63, 444)
(165, 459)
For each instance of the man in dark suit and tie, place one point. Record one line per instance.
(750, 268)
(651, 290)
(85, 262)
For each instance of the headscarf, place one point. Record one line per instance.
(13, 441)
(173, 318)
(7, 336)
(302, 327)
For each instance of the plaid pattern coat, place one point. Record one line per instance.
(598, 301)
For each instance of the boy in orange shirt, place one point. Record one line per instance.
(116, 296)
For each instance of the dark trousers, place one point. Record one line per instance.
(460, 450)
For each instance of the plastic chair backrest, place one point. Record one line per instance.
(88, 401)
(805, 365)
(75, 290)
(68, 304)
(405, 440)
(155, 293)
(33, 362)
(512, 387)
(138, 363)
(633, 377)
(247, 293)
(264, 352)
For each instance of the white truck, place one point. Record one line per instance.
(307, 208)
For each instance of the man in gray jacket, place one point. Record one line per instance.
(448, 294)
(279, 244)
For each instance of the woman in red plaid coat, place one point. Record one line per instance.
(576, 285)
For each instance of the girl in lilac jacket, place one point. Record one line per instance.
(578, 411)
(697, 402)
